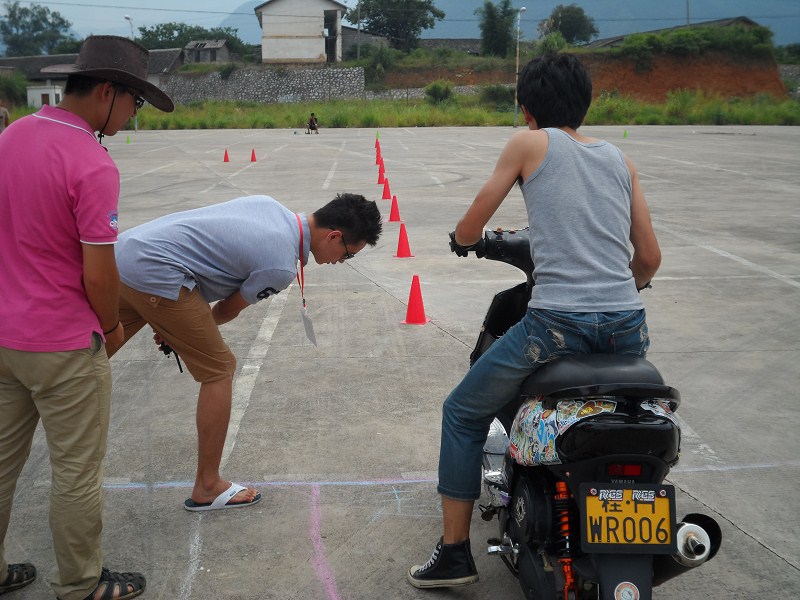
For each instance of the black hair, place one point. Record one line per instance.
(556, 90)
(357, 218)
(81, 85)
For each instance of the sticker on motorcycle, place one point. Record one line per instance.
(536, 428)
(660, 408)
(626, 591)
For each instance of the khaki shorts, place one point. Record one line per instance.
(186, 325)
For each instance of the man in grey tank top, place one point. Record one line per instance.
(585, 206)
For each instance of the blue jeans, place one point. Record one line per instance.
(495, 379)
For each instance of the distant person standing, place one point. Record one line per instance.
(59, 305)
(4, 118)
(312, 125)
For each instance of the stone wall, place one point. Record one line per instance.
(419, 93)
(791, 76)
(267, 85)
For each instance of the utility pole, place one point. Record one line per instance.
(358, 30)
(516, 69)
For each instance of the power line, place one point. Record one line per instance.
(470, 20)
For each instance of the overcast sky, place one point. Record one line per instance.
(108, 16)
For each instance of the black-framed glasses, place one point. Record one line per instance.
(347, 254)
(137, 99)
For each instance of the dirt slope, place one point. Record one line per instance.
(713, 73)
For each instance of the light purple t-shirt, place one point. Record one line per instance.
(58, 188)
(249, 245)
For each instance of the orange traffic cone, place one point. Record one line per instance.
(381, 174)
(378, 157)
(253, 155)
(387, 193)
(394, 212)
(225, 158)
(403, 250)
(415, 315)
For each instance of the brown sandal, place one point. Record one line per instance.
(19, 575)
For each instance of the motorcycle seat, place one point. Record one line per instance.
(579, 375)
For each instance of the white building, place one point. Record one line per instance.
(42, 94)
(301, 31)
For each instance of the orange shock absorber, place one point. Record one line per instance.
(563, 498)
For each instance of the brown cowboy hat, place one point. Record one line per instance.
(119, 60)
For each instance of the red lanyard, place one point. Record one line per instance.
(301, 279)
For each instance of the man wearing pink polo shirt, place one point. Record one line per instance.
(59, 291)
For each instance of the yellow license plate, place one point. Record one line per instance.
(637, 518)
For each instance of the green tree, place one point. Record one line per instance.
(788, 55)
(550, 44)
(32, 30)
(496, 25)
(571, 22)
(400, 21)
(68, 46)
(177, 35)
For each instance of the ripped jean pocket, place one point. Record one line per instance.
(551, 338)
(632, 340)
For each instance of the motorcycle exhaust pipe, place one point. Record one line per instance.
(698, 539)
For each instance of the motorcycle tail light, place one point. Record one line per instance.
(624, 470)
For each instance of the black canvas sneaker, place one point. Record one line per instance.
(450, 565)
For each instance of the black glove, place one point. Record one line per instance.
(478, 247)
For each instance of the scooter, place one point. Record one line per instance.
(574, 467)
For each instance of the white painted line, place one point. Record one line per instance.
(742, 467)
(146, 172)
(742, 261)
(194, 561)
(329, 178)
(246, 379)
(714, 167)
(691, 442)
(242, 390)
(647, 176)
(228, 178)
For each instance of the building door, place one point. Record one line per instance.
(331, 29)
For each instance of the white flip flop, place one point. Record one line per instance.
(221, 501)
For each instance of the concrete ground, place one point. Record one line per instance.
(342, 439)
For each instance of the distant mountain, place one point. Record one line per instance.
(611, 17)
(244, 20)
(620, 17)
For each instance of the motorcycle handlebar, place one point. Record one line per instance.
(509, 246)
(479, 247)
